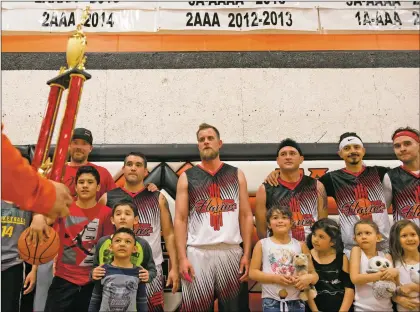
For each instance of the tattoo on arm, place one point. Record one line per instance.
(322, 194)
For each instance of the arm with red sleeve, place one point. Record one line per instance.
(21, 184)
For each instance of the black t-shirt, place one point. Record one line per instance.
(331, 284)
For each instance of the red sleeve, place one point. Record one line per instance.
(22, 185)
(108, 227)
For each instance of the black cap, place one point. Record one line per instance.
(83, 134)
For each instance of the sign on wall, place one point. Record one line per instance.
(239, 16)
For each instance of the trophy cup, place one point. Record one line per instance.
(73, 79)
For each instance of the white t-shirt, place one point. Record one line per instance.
(406, 279)
(278, 259)
(364, 299)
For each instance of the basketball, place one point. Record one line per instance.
(41, 252)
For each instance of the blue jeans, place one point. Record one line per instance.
(272, 305)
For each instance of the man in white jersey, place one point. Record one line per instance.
(212, 203)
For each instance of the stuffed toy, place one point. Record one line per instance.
(301, 262)
(381, 289)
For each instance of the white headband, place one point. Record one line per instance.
(349, 141)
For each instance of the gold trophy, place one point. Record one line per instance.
(72, 79)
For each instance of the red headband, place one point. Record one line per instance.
(407, 133)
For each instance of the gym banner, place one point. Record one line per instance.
(101, 21)
(237, 16)
(369, 20)
(281, 19)
(380, 5)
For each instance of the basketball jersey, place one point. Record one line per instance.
(213, 206)
(148, 208)
(302, 198)
(364, 299)
(405, 195)
(278, 259)
(13, 222)
(358, 196)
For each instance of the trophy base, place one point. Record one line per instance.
(64, 79)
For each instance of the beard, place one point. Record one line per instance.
(354, 160)
(208, 154)
(80, 158)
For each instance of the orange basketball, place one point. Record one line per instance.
(41, 252)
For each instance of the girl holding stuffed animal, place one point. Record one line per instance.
(405, 250)
(282, 265)
(370, 268)
(335, 289)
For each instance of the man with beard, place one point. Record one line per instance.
(212, 202)
(305, 196)
(154, 218)
(79, 150)
(402, 184)
(357, 190)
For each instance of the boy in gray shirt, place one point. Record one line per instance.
(122, 288)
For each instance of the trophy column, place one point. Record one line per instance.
(48, 125)
(77, 79)
(72, 79)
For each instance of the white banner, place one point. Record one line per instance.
(380, 5)
(164, 4)
(364, 19)
(71, 5)
(202, 5)
(118, 21)
(240, 20)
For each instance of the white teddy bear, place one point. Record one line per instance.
(381, 289)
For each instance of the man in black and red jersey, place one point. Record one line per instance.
(402, 184)
(305, 196)
(357, 190)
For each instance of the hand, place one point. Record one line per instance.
(151, 187)
(186, 270)
(173, 278)
(273, 178)
(244, 268)
(62, 202)
(143, 275)
(303, 281)
(284, 280)
(405, 290)
(98, 273)
(408, 303)
(54, 265)
(389, 274)
(30, 282)
(38, 230)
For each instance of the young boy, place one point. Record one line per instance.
(71, 288)
(124, 215)
(122, 288)
(13, 222)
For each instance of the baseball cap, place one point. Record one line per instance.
(83, 134)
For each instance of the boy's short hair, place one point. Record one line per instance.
(125, 202)
(88, 169)
(124, 230)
